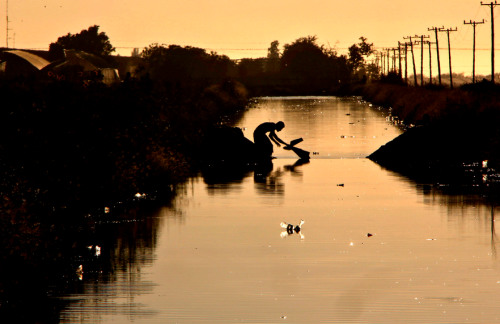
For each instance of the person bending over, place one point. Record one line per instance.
(263, 145)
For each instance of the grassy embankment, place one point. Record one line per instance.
(458, 128)
(67, 150)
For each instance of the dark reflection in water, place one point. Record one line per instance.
(269, 181)
(225, 179)
(463, 202)
(109, 283)
(112, 283)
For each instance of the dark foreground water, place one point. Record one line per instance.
(219, 254)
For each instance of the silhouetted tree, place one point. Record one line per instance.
(273, 52)
(135, 52)
(175, 63)
(250, 67)
(365, 48)
(56, 52)
(273, 57)
(357, 58)
(303, 58)
(373, 71)
(305, 62)
(90, 41)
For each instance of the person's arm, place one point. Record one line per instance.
(276, 139)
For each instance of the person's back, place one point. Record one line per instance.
(263, 144)
(264, 128)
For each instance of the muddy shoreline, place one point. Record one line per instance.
(73, 159)
(452, 136)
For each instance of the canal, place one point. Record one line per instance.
(375, 247)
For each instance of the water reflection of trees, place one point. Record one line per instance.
(127, 239)
(462, 202)
(41, 257)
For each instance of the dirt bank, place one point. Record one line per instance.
(456, 129)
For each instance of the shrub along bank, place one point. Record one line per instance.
(455, 129)
(68, 149)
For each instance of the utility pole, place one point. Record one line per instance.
(382, 60)
(378, 59)
(474, 23)
(413, 59)
(421, 43)
(406, 62)
(492, 5)
(394, 60)
(422, 58)
(399, 55)
(435, 29)
(7, 18)
(430, 61)
(448, 30)
(388, 60)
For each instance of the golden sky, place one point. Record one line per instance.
(246, 28)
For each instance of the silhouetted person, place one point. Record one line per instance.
(263, 145)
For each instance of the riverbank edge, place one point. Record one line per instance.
(45, 236)
(452, 136)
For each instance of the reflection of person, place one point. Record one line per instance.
(262, 143)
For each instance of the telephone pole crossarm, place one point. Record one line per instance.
(474, 23)
(413, 59)
(492, 6)
(436, 29)
(421, 42)
(447, 31)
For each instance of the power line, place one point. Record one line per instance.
(413, 59)
(421, 56)
(436, 29)
(474, 24)
(447, 31)
(492, 6)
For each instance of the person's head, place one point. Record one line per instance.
(280, 125)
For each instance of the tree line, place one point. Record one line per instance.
(303, 66)
(306, 67)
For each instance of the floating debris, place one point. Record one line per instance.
(290, 228)
(369, 234)
(79, 272)
(97, 249)
(340, 185)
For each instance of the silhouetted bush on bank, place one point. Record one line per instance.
(461, 128)
(68, 149)
(412, 103)
(392, 78)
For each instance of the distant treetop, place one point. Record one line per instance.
(90, 41)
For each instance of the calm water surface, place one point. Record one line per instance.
(220, 256)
